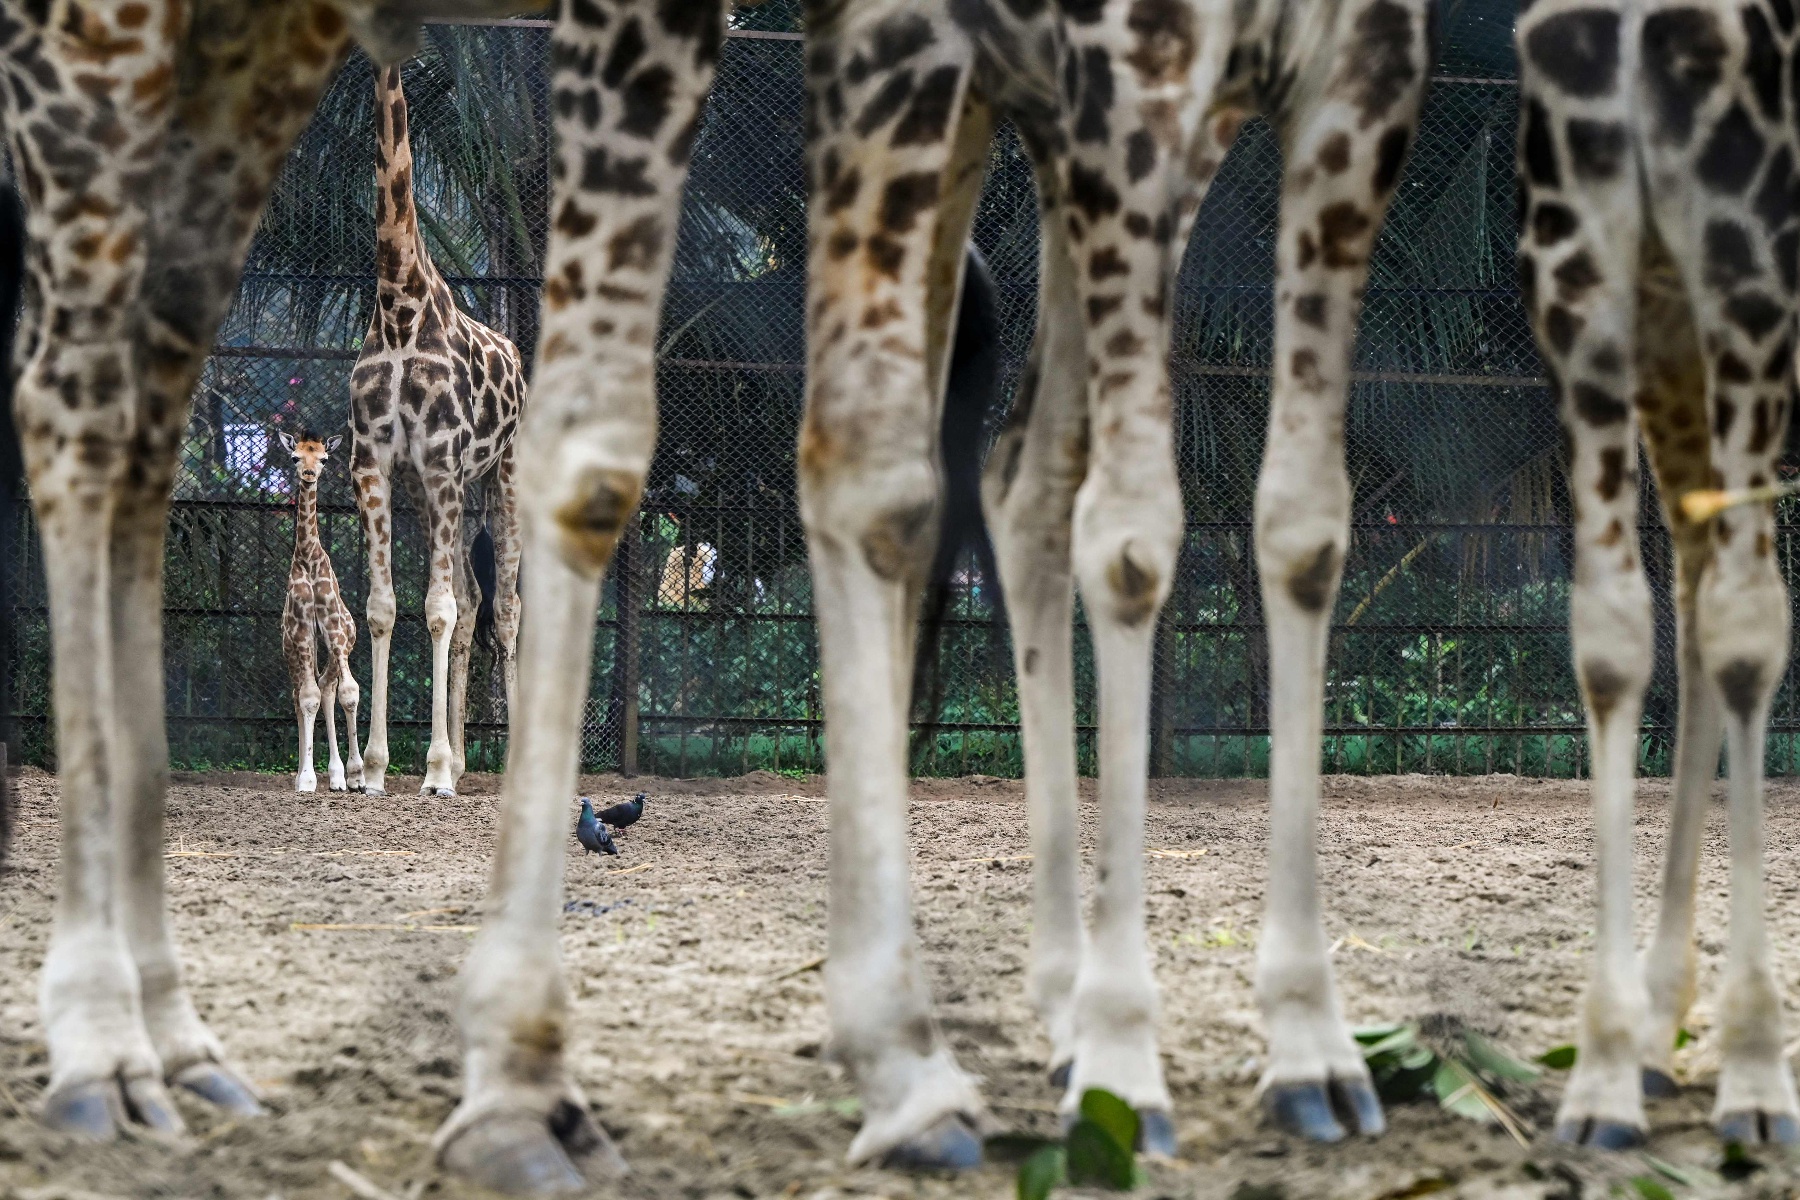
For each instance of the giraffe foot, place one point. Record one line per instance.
(1156, 1133)
(1659, 1084)
(1600, 1134)
(522, 1153)
(440, 793)
(1324, 1110)
(103, 1109)
(1059, 1075)
(950, 1145)
(221, 1087)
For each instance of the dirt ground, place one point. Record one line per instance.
(700, 1044)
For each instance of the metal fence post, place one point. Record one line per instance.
(626, 560)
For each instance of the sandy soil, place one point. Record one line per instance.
(1468, 897)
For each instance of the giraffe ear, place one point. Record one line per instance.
(333, 442)
(286, 440)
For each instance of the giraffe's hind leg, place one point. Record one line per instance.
(1347, 149)
(445, 571)
(462, 641)
(1028, 492)
(1579, 253)
(1672, 411)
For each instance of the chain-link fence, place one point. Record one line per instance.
(1449, 649)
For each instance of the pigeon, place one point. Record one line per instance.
(627, 813)
(591, 833)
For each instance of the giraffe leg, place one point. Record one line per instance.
(1346, 151)
(1734, 248)
(191, 1055)
(334, 769)
(462, 640)
(889, 211)
(303, 668)
(374, 502)
(296, 649)
(348, 696)
(1579, 254)
(1672, 410)
(104, 1071)
(589, 433)
(1029, 496)
(442, 514)
(504, 529)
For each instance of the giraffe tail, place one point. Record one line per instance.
(973, 390)
(481, 559)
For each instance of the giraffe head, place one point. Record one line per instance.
(309, 453)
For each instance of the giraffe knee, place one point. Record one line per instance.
(889, 518)
(381, 612)
(349, 694)
(589, 515)
(440, 612)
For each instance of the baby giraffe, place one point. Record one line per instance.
(315, 609)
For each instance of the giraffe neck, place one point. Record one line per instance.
(401, 265)
(306, 517)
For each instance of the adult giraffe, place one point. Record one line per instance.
(1659, 252)
(1127, 107)
(435, 398)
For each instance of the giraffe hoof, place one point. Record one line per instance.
(1659, 1084)
(1754, 1128)
(1059, 1076)
(439, 793)
(91, 1110)
(221, 1088)
(1324, 1111)
(372, 791)
(517, 1153)
(1156, 1133)
(1600, 1134)
(949, 1145)
(150, 1106)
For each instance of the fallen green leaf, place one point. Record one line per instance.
(1110, 1113)
(1492, 1061)
(1648, 1187)
(1558, 1058)
(1374, 1035)
(1093, 1158)
(851, 1108)
(1669, 1170)
(1458, 1091)
(1682, 1038)
(1041, 1173)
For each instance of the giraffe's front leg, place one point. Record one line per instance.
(443, 514)
(588, 433)
(104, 1070)
(349, 695)
(893, 188)
(334, 763)
(374, 502)
(1579, 255)
(191, 1056)
(1346, 151)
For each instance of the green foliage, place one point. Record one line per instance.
(1558, 1058)
(1098, 1151)
(1458, 1066)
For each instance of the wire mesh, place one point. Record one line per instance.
(1449, 649)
